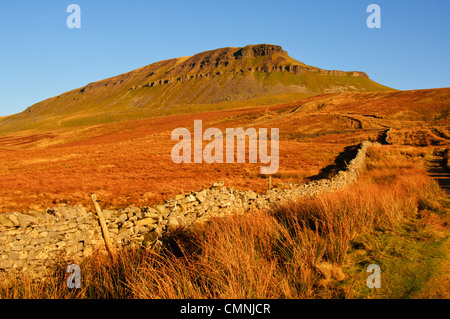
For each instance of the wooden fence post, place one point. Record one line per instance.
(108, 243)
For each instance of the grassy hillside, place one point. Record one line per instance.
(217, 79)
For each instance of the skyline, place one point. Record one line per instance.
(44, 58)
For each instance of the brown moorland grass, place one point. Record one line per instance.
(447, 157)
(128, 163)
(394, 216)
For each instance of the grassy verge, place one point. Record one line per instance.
(394, 216)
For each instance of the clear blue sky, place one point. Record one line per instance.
(40, 57)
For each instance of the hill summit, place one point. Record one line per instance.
(259, 74)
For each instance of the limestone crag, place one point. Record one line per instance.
(215, 63)
(32, 241)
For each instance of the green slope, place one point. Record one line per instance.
(216, 79)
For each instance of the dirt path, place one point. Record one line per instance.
(439, 287)
(438, 170)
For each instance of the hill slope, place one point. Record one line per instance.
(216, 79)
(129, 162)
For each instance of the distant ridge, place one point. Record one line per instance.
(222, 78)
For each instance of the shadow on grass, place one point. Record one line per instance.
(340, 163)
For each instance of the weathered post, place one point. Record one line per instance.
(108, 243)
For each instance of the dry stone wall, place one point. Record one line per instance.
(30, 242)
(33, 241)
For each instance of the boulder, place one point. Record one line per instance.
(14, 218)
(145, 222)
(122, 218)
(152, 215)
(217, 185)
(179, 197)
(189, 198)
(131, 211)
(108, 214)
(162, 210)
(151, 236)
(172, 223)
(54, 212)
(142, 230)
(6, 222)
(201, 196)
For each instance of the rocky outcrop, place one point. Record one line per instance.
(30, 242)
(254, 51)
(206, 64)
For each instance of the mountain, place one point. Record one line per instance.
(217, 79)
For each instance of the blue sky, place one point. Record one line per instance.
(41, 57)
